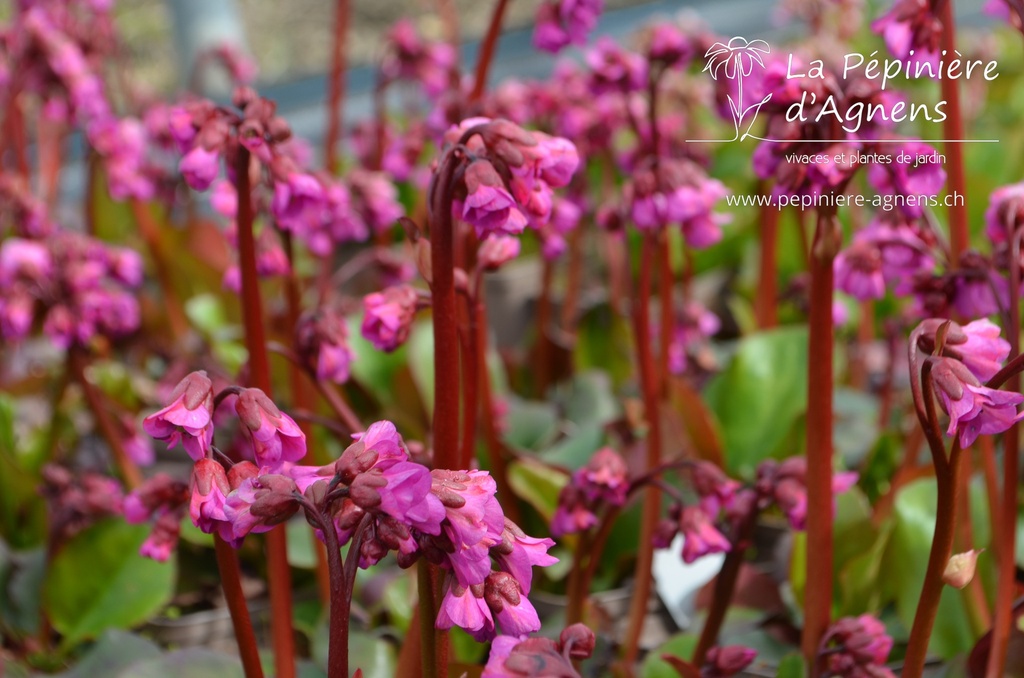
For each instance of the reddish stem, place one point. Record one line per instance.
(818, 592)
(78, 359)
(665, 315)
(953, 129)
(278, 572)
(231, 581)
(650, 385)
(487, 50)
(1006, 525)
(947, 482)
(336, 83)
(725, 586)
(470, 383)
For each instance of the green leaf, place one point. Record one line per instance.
(537, 484)
(588, 399)
(301, 544)
(681, 645)
(576, 449)
(367, 651)
(604, 342)
(532, 425)
(791, 666)
(905, 561)
(112, 653)
(99, 581)
(760, 395)
(188, 663)
(21, 585)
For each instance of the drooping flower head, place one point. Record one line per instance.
(188, 418)
(560, 23)
(274, 436)
(857, 646)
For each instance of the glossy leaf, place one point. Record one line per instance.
(99, 581)
(115, 651)
(759, 395)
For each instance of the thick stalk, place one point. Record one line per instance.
(575, 593)
(487, 50)
(427, 614)
(725, 585)
(150, 230)
(652, 495)
(278, 572)
(302, 399)
(231, 581)
(78, 359)
(336, 84)
(948, 483)
(818, 592)
(1006, 533)
(337, 645)
(470, 385)
(953, 129)
(446, 339)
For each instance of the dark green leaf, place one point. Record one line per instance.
(188, 663)
(112, 653)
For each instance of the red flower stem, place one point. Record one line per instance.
(953, 128)
(302, 399)
(231, 581)
(575, 593)
(337, 644)
(427, 614)
(470, 344)
(766, 295)
(78, 360)
(150, 230)
(725, 586)
(818, 591)
(947, 482)
(278, 572)
(1005, 533)
(336, 84)
(492, 440)
(650, 386)
(487, 50)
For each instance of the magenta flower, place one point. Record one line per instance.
(274, 436)
(911, 26)
(209, 488)
(388, 316)
(857, 646)
(910, 178)
(785, 484)
(515, 657)
(973, 409)
(518, 553)
(488, 204)
(512, 611)
(474, 521)
(602, 483)
(162, 541)
(1005, 213)
(858, 271)
(297, 201)
(467, 609)
(700, 536)
(199, 167)
(189, 417)
(258, 503)
(614, 69)
(496, 251)
(560, 23)
(984, 351)
(322, 342)
(724, 662)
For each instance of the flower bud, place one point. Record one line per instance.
(960, 569)
(579, 640)
(240, 472)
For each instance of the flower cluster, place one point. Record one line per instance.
(602, 484)
(373, 496)
(412, 58)
(890, 252)
(321, 341)
(560, 23)
(969, 355)
(78, 500)
(513, 657)
(81, 286)
(509, 175)
(694, 327)
(162, 500)
(912, 32)
(856, 647)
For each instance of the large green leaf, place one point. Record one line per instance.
(112, 653)
(531, 424)
(537, 484)
(99, 581)
(188, 663)
(760, 395)
(905, 562)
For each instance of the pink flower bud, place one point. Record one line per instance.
(960, 569)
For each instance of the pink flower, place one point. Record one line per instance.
(724, 662)
(474, 521)
(209, 489)
(563, 22)
(857, 646)
(189, 417)
(911, 25)
(199, 167)
(909, 178)
(973, 409)
(984, 351)
(488, 204)
(297, 202)
(274, 436)
(1005, 213)
(858, 271)
(466, 608)
(518, 553)
(512, 610)
(614, 69)
(700, 536)
(162, 541)
(389, 315)
(322, 341)
(496, 251)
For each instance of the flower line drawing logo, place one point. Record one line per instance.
(736, 61)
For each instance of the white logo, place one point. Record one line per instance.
(736, 61)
